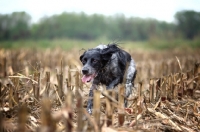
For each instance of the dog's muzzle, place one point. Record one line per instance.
(88, 78)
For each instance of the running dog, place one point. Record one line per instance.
(107, 65)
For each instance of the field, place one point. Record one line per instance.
(41, 89)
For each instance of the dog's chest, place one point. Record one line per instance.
(107, 75)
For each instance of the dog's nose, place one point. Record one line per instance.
(85, 71)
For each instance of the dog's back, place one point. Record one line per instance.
(119, 64)
(115, 67)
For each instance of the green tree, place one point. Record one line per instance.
(14, 26)
(188, 23)
(81, 26)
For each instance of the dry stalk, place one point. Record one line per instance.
(113, 106)
(112, 98)
(22, 118)
(121, 113)
(1, 122)
(186, 128)
(151, 88)
(158, 84)
(36, 86)
(16, 89)
(48, 124)
(175, 90)
(169, 87)
(96, 107)
(69, 76)
(109, 108)
(1, 86)
(77, 81)
(160, 115)
(91, 120)
(23, 76)
(4, 67)
(179, 63)
(196, 69)
(177, 117)
(11, 104)
(47, 83)
(140, 89)
(80, 124)
(80, 82)
(55, 89)
(60, 84)
(68, 107)
(163, 88)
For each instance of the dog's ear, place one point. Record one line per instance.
(82, 56)
(107, 52)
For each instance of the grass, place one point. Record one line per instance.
(68, 44)
(65, 44)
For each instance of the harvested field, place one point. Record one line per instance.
(41, 90)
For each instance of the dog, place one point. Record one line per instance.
(107, 65)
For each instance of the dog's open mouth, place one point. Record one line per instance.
(88, 78)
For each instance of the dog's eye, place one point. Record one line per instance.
(84, 61)
(95, 61)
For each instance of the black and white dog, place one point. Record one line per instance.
(106, 64)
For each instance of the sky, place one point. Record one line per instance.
(163, 10)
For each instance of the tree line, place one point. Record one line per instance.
(18, 25)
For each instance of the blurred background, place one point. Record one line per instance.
(144, 24)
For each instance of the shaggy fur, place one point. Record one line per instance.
(106, 64)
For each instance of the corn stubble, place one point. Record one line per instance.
(41, 91)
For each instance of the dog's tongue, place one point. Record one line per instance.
(87, 78)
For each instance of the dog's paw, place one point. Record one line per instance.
(89, 111)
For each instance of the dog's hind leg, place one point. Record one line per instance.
(130, 76)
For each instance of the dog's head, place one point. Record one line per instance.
(94, 60)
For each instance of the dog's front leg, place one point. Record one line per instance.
(90, 100)
(114, 83)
